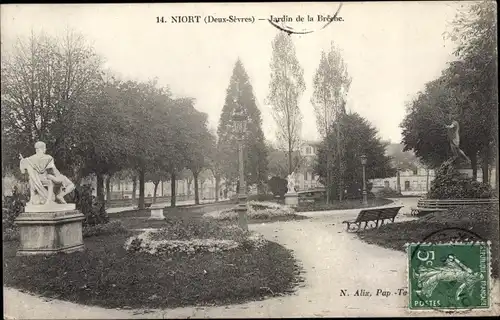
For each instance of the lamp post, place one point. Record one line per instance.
(365, 195)
(239, 119)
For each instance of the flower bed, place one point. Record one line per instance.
(256, 210)
(156, 242)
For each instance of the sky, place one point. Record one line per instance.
(391, 49)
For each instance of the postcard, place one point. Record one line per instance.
(250, 160)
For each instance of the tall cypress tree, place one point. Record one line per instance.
(240, 92)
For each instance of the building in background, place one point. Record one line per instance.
(414, 177)
(305, 177)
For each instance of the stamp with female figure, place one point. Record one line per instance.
(449, 276)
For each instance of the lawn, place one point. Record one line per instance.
(341, 205)
(138, 219)
(108, 275)
(482, 220)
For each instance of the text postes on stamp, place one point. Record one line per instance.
(449, 276)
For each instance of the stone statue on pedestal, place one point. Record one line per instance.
(43, 177)
(454, 138)
(291, 182)
(48, 224)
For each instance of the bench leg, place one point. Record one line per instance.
(349, 228)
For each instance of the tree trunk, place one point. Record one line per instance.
(398, 182)
(485, 164)
(142, 183)
(134, 188)
(108, 188)
(290, 169)
(189, 181)
(156, 183)
(217, 188)
(427, 182)
(341, 182)
(100, 188)
(172, 189)
(196, 188)
(328, 176)
(473, 163)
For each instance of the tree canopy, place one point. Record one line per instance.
(466, 92)
(361, 138)
(285, 88)
(240, 94)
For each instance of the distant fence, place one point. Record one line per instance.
(113, 203)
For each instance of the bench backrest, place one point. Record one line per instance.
(389, 213)
(377, 214)
(368, 215)
(444, 204)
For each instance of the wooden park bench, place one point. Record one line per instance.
(372, 215)
(426, 206)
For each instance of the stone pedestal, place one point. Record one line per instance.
(50, 232)
(157, 214)
(292, 199)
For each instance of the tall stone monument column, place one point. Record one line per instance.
(48, 224)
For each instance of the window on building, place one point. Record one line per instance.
(118, 187)
(308, 150)
(407, 185)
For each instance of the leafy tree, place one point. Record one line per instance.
(475, 30)
(278, 162)
(278, 186)
(45, 83)
(331, 83)
(240, 94)
(200, 143)
(466, 92)
(186, 123)
(285, 88)
(215, 165)
(402, 160)
(360, 138)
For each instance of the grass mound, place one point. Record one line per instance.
(482, 220)
(106, 274)
(258, 211)
(192, 237)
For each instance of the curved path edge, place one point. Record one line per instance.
(331, 258)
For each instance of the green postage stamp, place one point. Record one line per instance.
(450, 276)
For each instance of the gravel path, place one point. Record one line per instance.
(332, 259)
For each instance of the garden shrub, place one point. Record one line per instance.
(12, 206)
(388, 193)
(278, 186)
(94, 212)
(451, 184)
(113, 227)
